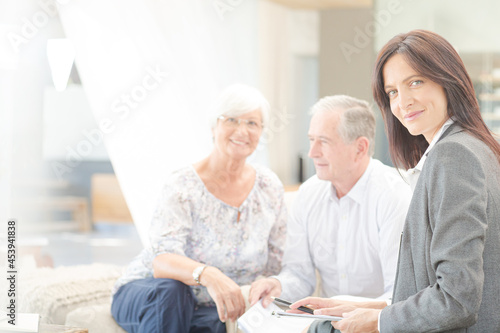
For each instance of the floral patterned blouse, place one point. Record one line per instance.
(191, 221)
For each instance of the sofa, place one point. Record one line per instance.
(79, 295)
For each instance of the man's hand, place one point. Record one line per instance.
(264, 288)
(225, 293)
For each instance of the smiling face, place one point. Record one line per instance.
(419, 103)
(333, 159)
(238, 141)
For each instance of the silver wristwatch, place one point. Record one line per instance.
(197, 273)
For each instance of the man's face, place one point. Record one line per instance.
(333, 159)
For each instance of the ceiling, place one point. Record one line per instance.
(324, 4)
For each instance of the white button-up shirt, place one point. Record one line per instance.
(353, 242)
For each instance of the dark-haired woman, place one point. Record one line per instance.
(449, 261)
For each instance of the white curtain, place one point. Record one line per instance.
(6, 133)
(150, 70)
(8, 64)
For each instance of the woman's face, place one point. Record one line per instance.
(237, 137)
(419, 103)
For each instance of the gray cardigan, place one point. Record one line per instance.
(448, 277)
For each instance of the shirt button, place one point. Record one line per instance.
(344, 217)
(342, 276)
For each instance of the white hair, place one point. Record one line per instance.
(238, 99)
(356, 117)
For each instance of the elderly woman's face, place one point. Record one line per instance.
(238, 137)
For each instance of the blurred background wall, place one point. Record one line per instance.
(135, 96)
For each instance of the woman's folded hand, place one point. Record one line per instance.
(225, 293)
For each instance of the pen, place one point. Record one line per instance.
(286, 314)
(287, 303)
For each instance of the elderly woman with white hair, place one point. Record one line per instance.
(219, 224)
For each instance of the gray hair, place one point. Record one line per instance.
(356, 117)
(238, 99)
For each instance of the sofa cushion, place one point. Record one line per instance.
(54, 292)
(96, 318)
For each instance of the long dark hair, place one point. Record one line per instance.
(433, 57)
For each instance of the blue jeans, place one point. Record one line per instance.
(162, 306)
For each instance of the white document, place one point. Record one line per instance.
(260, 320)
(25, 323)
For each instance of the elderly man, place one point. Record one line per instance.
(347, 219)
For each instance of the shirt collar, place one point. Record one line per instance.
(436, 138)
(357, 191)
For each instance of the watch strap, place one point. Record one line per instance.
(197, 273)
